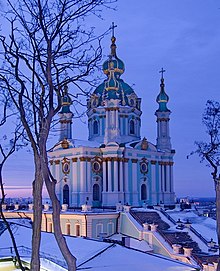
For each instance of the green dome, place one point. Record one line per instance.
(113, 89)
(113, 64)
(162, 98)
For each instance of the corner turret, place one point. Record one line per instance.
(163, 113)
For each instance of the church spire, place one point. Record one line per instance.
(65, 115)
(163, 114)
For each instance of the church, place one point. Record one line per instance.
(115, 165)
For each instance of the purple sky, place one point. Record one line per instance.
(184, 38)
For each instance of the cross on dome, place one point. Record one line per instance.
(162, 72)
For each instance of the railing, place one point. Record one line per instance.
(199, 235)
(191, 228)
(168, 216)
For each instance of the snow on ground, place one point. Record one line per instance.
(206, 226)
(91, 254)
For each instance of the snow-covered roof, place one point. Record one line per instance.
(206, 226)
(95, 255)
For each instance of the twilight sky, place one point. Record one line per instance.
(183, 37)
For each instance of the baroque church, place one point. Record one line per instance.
(115, 164)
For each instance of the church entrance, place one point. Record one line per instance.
(66, 194)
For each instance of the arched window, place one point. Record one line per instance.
(96, 192)
(99, 229)
(95, 127)
(66, 194)
(143, 192)
(110, 228)
(132, 127)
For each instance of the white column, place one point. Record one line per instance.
(121, 175)
(109, 175)
(100, 125)
(116, 116)
(57, 177)
(74, 174)
(106, 138)
(168, 177)
(134, 181)
(134, 174)
(153, 177)
(171, 178)
(88, 179)
(126, 125)
(162, 178)
(104, 175)
(126, 176)
(115, 174)
(121, 125)
(82, 174)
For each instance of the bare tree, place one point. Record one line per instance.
(7, 147)
(209, 152)
(47, 48)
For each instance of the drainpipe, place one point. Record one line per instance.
(86, 224)
(117, 222)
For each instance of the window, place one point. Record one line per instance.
(143, 192)
(131, 127)
(99, 229)
(110, 228)
(95, 127)
(96, 192)
(77, 230)
(66, 194)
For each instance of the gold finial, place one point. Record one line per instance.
(113, 39)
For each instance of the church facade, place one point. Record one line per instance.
(115, 164)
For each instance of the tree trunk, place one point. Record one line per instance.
(70, 259)
(217, 188)
(37, 216)
(7, 224)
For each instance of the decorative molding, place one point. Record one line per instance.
(111, 108)
(83, 159)
(125, 160)
(153, 162)
(165, 163)
(74, 159)
(57, 162)
(163, 119)
(134, 160)
(109, 158)
(116, 159)
(65, 121)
